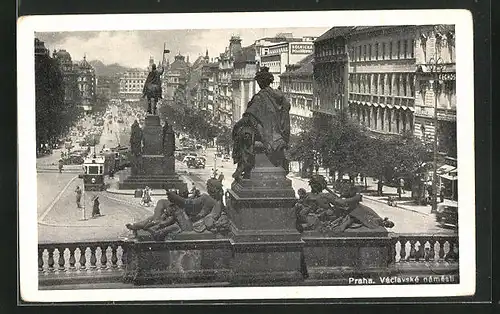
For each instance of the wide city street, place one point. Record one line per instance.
(59, 219)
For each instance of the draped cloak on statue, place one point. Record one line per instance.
(267, 114)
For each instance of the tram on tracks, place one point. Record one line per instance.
(95, 168)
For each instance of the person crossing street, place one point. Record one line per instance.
(78, 192)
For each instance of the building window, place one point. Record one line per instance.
(382, 84)
(390, 49)
(399, 50)
(364, 52)
(412, 49)
(412, 85)
(375, 84)
(389, 83)
(404, 85)
(370, 55)
(405, 51)
(376, 51)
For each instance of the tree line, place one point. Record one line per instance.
(187, 119)
(338, 144)
(54, 117)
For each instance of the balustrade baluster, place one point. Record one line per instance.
(83, 259)
(40, 259)
(104, 258)
(403, 250)
(50, 260)
(61, 262)
(447, 251)
(124, 257)
(93, 259)
(114, 258)
(418, 250)
(412, 254)
(441, 249)
(72, 260)
(427, 250)
(397, 250)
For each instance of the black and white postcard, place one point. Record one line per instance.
(223, 156)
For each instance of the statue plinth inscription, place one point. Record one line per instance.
(153, 157)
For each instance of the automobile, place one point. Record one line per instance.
(196, 163)
(188, 158)
(447, 214)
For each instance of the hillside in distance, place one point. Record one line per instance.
(109, 70)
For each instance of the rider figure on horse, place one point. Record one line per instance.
(152, 87)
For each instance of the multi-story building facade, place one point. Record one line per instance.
(195, 96)
(132, 84)
(436, 43)
(368, 73)
(208, 87)
(175, 77)
(277, 56)
(86, 81)
(40, 48)
(244, 85)
(70, 76)
(224, 88)
(297, 84)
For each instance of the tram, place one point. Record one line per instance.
(94, 170)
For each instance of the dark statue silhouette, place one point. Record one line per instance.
(265, 125)
(152, 88)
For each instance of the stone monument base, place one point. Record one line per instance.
(356, 252)
(189, 258)
(172, 181)
(267, 247)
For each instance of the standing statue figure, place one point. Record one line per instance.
(168, 140)
(152, 88)
(135, 145)
(266, 121)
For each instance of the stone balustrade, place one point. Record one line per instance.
(76, 262)
(105, 261)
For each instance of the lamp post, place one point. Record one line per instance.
(436, 68)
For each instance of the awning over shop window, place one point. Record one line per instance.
(449, 177)
(445, 169)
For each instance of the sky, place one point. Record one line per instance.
(134, 48)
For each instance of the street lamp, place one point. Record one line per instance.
(436, 67)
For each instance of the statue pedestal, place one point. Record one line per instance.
(358, 253)
(266, 244)
(189, 258)
(153, 168)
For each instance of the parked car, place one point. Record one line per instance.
(447, 215)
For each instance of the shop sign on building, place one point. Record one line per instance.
(301, 48)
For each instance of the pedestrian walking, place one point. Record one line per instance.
(61, 163)
(78, 192)
(380, 186)
(96, 211)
